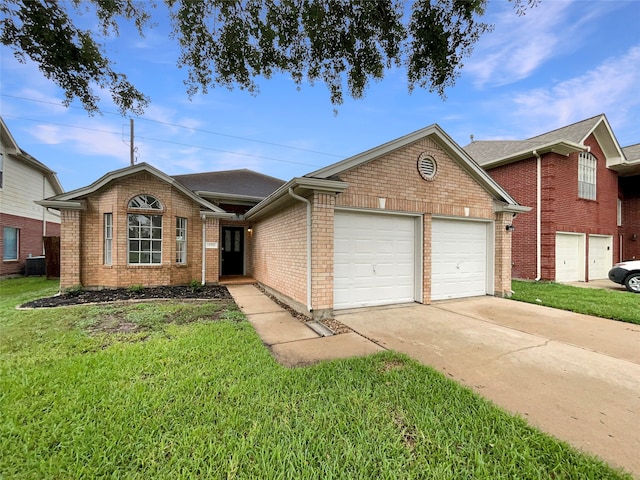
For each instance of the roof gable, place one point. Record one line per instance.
(74, 196)
(12, 148)
(435, 133)
(564, 141)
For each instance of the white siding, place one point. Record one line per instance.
(21, 186)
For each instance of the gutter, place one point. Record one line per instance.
(538, 215)
(309, 277)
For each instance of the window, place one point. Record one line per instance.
(145, 202)
(144, 234)
(11, 243)
(619, 212)
(587, 176)
(108, 237)
(145, 239)
(181, 240)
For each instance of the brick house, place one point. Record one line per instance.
(584, 193)
(23, 223)
(415, 219)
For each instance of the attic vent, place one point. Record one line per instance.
(427, 167)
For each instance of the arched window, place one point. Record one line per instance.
(145, 202)
(144, 236)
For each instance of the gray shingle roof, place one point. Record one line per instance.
(242, 182)
(485, 152)
(632, 153)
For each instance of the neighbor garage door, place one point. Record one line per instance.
(600, 256)
(570, 253)
(459, 259)
(374, 259)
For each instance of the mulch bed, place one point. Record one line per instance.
(206, 292)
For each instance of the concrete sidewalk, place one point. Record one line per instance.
(293, 343)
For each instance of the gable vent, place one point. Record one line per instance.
(427, 166)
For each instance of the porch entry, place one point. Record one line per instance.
(232, 251)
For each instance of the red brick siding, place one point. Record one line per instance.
(29, 241)
(561, 208)
(630, 229)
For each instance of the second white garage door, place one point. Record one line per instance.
(459, 259)
(374, 259)
(600, 256)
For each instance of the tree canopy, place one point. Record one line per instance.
(344, 43)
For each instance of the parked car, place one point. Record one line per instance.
(627, 274)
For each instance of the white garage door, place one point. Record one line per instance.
(458, 259)
(600, 256)
(570, 254)
(374, 259)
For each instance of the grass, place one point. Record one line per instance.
(616, 305)
(201, 397)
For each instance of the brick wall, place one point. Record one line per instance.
(322, 256)
(630, 229)
(561, 208)
(82, 238)
(29, 241)
(279, 252)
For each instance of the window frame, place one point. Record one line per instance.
(154, 224)
(587, 176)
(619, 212)
(4, 244)
(108, 239)
(181, 240)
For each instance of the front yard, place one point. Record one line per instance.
(187, 390)
(617, 305)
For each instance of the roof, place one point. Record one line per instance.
(437, 134)
(243, 183)
(632, 153)
(24, 157)
(564, 141)
(73, 199)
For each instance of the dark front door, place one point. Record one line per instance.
(232, 250)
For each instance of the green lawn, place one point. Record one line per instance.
(617, 305)
(192, 392)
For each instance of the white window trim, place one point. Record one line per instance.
(587, 176)
(181, 240)
(17, 257)
(619, 212)
(108, 239)
(140, 239)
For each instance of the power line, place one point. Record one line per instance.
(210, 132)
(165, 141)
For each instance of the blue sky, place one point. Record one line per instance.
(562, 62)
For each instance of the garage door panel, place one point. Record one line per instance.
(374, 259)
(570, 255)
(600, 256)
(459, 259)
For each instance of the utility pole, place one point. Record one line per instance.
(132, 149)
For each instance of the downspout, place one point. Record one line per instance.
(538, 215)
(204, 246)
(302, 199)
(44, 211)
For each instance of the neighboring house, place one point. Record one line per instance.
(584, 193)
(23, 224)
(413, 220)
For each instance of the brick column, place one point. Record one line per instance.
(212, 255)
(322, 211)
(70, 249)
(502, 263)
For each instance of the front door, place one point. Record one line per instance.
(232, 250)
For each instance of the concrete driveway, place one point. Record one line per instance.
(574, 376)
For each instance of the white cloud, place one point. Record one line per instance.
(520, 45)
(611, 88)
